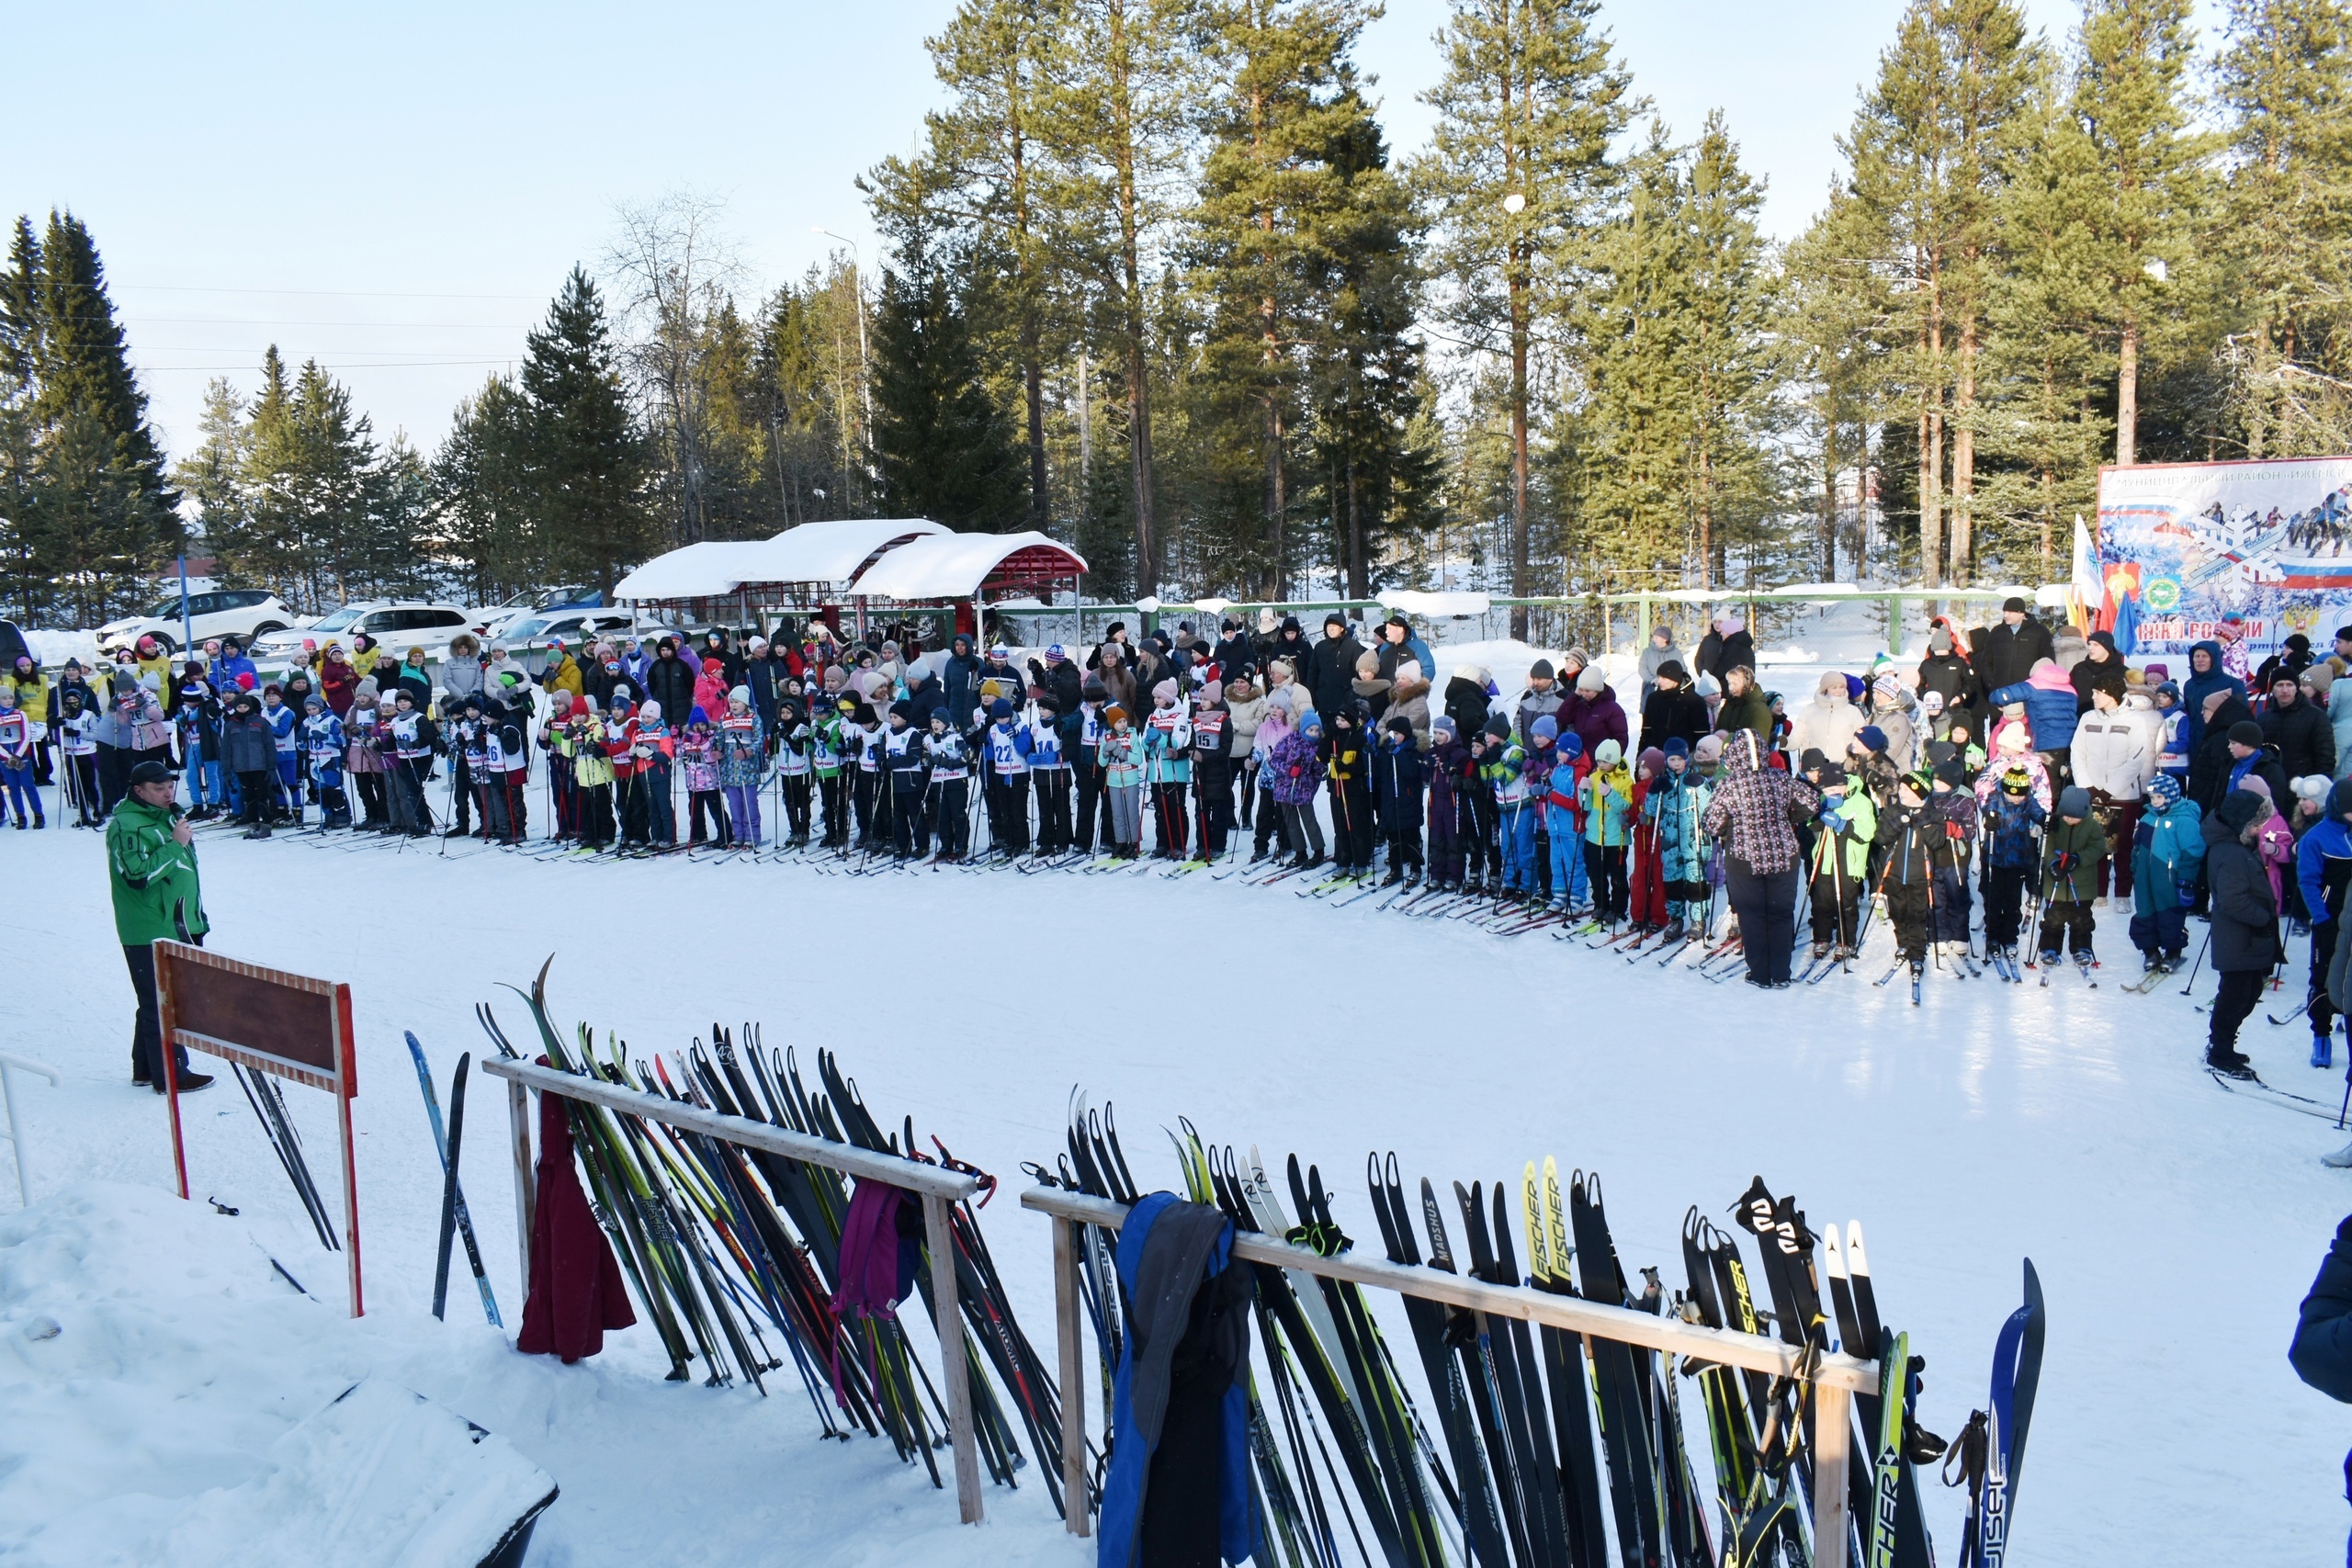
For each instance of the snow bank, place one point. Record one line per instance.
(53, 648)
(166, 1396)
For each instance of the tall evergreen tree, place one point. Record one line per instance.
(2150, 192)
(94, 514)
(588, 463)
(1000, 178)
(1119, 69)
(2285, 79)
(942, 447)
(484, 504)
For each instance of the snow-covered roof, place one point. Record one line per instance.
(837, 552)
(823, 553)
(956, 565)
(1415, 602)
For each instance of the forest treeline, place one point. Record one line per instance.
(1156, 283)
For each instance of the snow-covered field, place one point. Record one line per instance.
(2175, 1227)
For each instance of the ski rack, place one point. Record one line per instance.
(937, 1186)
(1835, 1378)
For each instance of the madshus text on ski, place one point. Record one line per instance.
(1991, 799)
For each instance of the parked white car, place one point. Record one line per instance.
(245, 612)
(398, 625)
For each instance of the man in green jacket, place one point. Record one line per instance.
(151, 860)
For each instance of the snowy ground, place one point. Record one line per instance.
(2175, 1227)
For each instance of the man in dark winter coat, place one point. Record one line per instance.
(1330, 671)
(2209, 765)
(669, 682)
(2101, 669)
(1673, 710)
(2244, 923)
(2293, 657)
(1235, 657)
(2006, 651)
(1945, 673)
(1727, 643)
(1542, 699)
(2301, 731)
(1398, 642)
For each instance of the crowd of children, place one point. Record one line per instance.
(2018, 779)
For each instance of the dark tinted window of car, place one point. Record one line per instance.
(440, 618)
(244, 599)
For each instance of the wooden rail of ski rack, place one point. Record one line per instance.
(1835, 1381)
(937, 1187)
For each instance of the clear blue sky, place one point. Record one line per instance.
(398, 189)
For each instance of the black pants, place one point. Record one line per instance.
(1053, 810)
(2067, 922)
(1007, 795)
(1606, 868)
(463, 773)
(909, 823)
(1765, 907)
(147, 1031)
(1089, 802)
(597, 814)
(951, 818)
(1213, 802)
(1486, 854)
(376, 812)
(1272, 824)
(2240, 989)
(1837, 907)
(258, 791)
(835, 791)
(1354, 822)
(1907, 906)
(707, 802)
(2004, 905)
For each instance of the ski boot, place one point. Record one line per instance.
(1820, 951)
(1396, 874)
(2323, 1050)
(1674, 933)
(2340, 1160)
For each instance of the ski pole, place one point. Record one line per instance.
(2200, 959)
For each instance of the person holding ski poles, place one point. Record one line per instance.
(1844, 824)
(151, 866)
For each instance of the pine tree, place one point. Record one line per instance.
(997, 177)
(1117, 111)
(96, 514)
(484, 505)
(213, 475)
(942, 447)
(1371, 398)
(2285, 79)
(1265, 244)
(1828, 337)
(2151, 190)
(587, 461)
(1521, 179)
(1930, 151)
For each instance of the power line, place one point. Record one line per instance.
(387, 364)
(285, 321)
(312, 293)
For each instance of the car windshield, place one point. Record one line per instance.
(169, 610)
(527, 629)
(341, 620)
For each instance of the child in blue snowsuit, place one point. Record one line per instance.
(1563, 820)
(283, 721)
(1502, 763)
(2167, 850)
(1674, 807)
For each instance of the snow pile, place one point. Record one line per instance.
(53, 648)
(170, 1397)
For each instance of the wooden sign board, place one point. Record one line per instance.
(267, 1020)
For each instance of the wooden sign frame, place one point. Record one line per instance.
(269, 1020)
